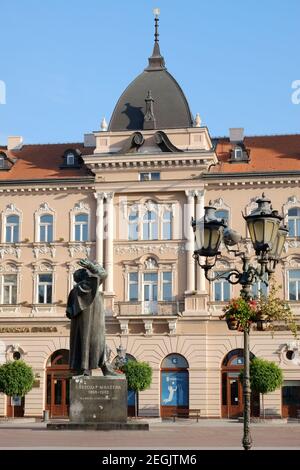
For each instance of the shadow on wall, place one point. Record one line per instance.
(135, 116)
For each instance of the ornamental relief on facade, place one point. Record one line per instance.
(10, 250)
(44, 250)
(79, 248)
(143, 249)
(9, 268)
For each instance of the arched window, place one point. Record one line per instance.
(174, 384)
(150, 225)
(232, 388)
(294, 222)
(59, 358)
(46, 228)
(81, 222)
(12, 229)
(174, 361)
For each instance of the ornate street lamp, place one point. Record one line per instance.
(268, 239)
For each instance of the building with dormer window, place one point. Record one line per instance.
(125, 198)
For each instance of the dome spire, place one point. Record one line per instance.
(156, 61)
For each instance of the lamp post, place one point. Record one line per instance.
(267, 237)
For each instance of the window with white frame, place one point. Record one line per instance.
(221, 290)
(155, 176)
(45, 288)
(133, 225)
(294, 284)
(260, 287)
(150, 225)
(167, 285)
(154, 286)
(167, 224)
(133, 286)
(81, 222)
(9, 289)
(294, 222)
(1, 162)
(238, 153)
(70, 157)
(46, 228)
(12, 229)
(223, 214)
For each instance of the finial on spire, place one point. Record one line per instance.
(156, 13)
(103, 125)
(197, 121)
(156, 61)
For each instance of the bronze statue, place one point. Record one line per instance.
(86, 312)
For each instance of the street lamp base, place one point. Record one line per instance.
(247, 443)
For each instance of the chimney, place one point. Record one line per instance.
(236, 134)
(14, 142)
(89, 140)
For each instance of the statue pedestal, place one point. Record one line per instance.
(98, 399)
(98, 403)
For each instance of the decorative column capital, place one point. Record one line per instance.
(109, 196)
(190, 193)
(200, 193)
(99, 196)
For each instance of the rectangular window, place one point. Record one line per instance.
(133, 226)
(294, 284)
(221, 290)
(12, 229)
(9, 295)
(150, 226)
(46, 228)
(133, 286)
(259, 288)
(167, 285)
(149, 176)
(81, 228)
(45, 288)
(167, 225)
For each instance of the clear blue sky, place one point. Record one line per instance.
(66, 62)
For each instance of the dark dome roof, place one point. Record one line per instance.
(170, 107)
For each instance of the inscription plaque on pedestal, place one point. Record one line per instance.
(98, 399)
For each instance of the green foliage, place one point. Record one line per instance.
(242, 310)
(138, 375)
(268, 309)
(273, 308)
(16, 378)
(265, 376)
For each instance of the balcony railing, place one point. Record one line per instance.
(160, 308)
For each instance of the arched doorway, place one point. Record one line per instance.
(57, 384)
(174, 385)
(132, 396)
(232, 388)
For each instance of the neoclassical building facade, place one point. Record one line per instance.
(125, 198)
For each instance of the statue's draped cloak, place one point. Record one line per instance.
(87, 336)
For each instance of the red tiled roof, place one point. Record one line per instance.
(36, 162)
(267, 154)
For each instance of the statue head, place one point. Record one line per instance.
(80, 275)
